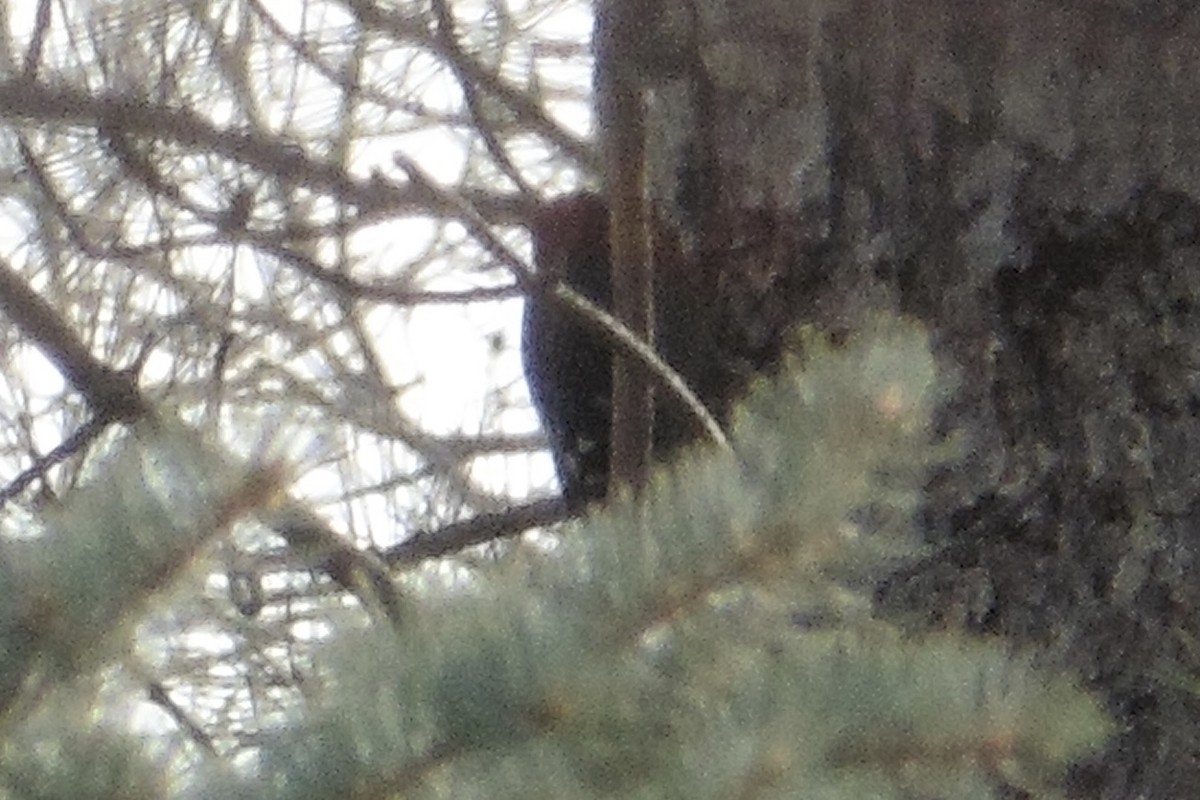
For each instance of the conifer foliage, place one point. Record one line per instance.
(715, 641)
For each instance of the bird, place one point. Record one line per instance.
(568, 364)
(723, 308)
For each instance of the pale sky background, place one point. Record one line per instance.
(446, 353)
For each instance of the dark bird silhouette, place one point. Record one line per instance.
(568, 367)
(721, 312)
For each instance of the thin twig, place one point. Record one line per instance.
(479, 529)
(114, 396)
(460, 64)
(73, 444)
(600, 320)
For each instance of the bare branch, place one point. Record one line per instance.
(114, 397)
(603, 322)
(481, 528)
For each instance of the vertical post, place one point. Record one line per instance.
(620, 29)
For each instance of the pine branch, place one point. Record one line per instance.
(114, 396)
(654, 650)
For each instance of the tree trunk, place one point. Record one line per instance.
(1024, 177)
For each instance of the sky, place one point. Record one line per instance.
(446, 356)
(450, 359)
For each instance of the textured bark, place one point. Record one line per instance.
(1024, 177)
